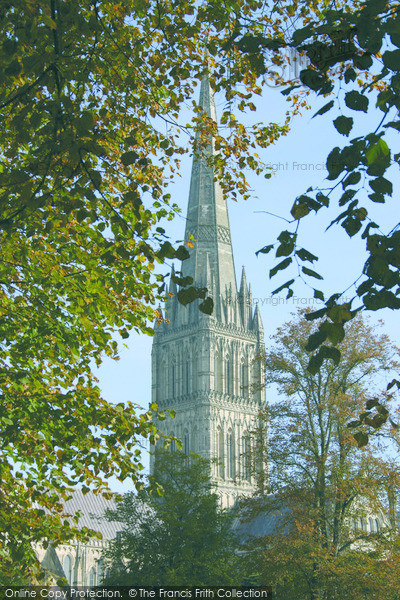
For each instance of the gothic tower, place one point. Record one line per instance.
(204, 366)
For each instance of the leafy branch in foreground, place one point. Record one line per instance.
(353, 52)
(90, 106)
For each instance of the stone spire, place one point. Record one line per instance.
(257, 322)
(204, 366)
(207, 217)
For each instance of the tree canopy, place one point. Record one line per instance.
(182, 537)
(91, 133)
(90, 94)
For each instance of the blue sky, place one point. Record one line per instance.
(298, 161)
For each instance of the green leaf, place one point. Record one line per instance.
(311, 273)
(343, 124)
(349, 75)
(166, 251)
(182, 253)
(316, 314)
(282, 265)
(378, 158)
(382, 299)
(300, 35)
(351, 179)
(290, 89)
(364, 287)
(315, 364)
(13, 69)
(335, 332)
(366, 231)
(299, 210)
(282, 287)
(361, 439)
(331, 353)
(319, 295)
(286, 246)
(316, 81)
(128, 158)
(85, 122)
(382, 185)
(340, 313)
(394, 382)
(324, 109)
(352, 224)
(304, 204)
(393, 125)
(187, 295)
(182, 280)
(96, 178)
(265, 250)
(391, 59)
(353, 424)
(315, 340)
(378, 198)
(334, 164)
(207, 306)
(364, 61)
(304, 254)
(371, 403)
(356, 101)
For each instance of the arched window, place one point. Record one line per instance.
(195, 440)
(68, 568)
(246, 458)
(228, 376)
(371, 524)
(218, 373)
(186, 442)
(100, 572)
(377, 526)
(194, 385)
(221, 454)
(231, 456)
(92, 577)
(187, 377)
(244, 379)
(173, 375)
(362, 524)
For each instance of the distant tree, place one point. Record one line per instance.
(181, 537)
(334, 537)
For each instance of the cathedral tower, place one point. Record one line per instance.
(204, 366)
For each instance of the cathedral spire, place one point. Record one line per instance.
(203, 366)
(207, 216)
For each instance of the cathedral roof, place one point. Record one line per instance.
(93, 508)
